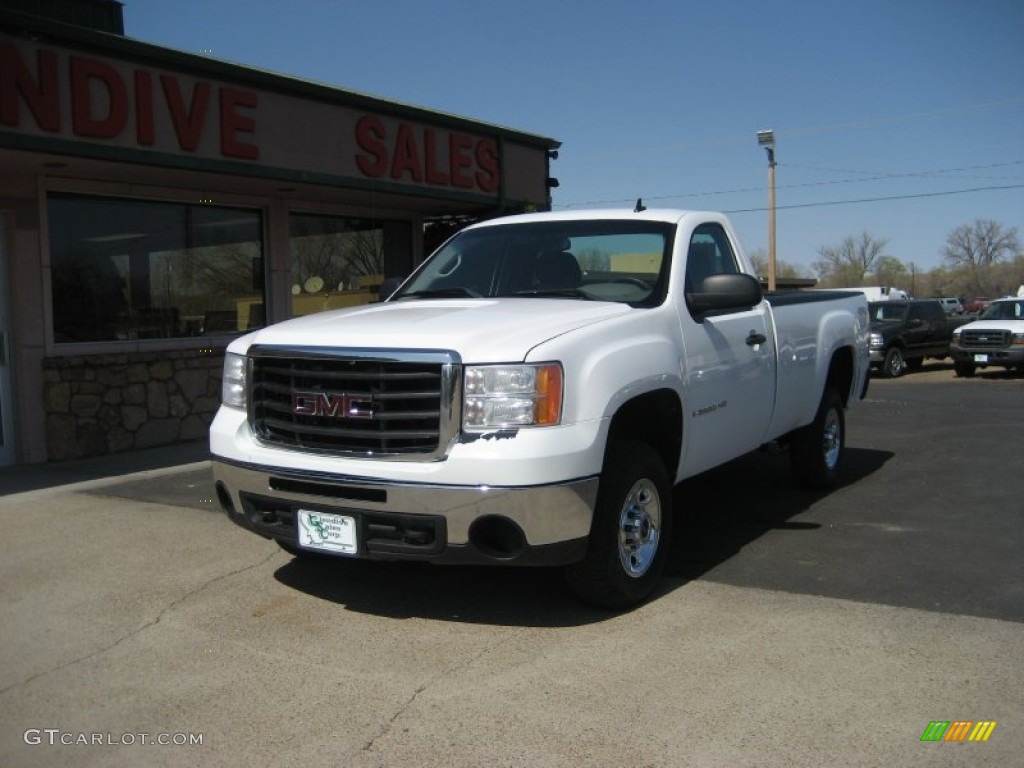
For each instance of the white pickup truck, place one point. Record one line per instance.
(531, 395)
(995, 338)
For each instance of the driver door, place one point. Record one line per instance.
(729, 365)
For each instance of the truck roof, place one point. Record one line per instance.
(667, 215)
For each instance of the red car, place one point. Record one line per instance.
(976, 305)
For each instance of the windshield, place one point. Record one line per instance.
(1004, 310)
(886, 311)
(597, 260)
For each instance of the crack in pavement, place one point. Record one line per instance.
(386, 729)
(159, 617)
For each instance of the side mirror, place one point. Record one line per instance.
(725, 293)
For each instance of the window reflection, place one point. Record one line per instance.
(335, 262)
(132, 269)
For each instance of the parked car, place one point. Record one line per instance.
(951, 305)
(995, 338)
(977, 305)
(904, 333)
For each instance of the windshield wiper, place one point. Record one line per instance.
(558, 293)
(440, 293)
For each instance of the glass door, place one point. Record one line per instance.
(6, 362)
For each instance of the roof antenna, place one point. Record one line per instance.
(639, 206)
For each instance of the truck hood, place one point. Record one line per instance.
(1009, 324)
(480, 330)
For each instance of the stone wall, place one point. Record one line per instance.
(100, 404)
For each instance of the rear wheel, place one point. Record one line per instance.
(630, 531)
(817, 449)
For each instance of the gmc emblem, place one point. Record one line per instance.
(337, 405)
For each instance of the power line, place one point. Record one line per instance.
(879, 177)
(881, 199)
(838, 127)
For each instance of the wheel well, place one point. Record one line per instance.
(655, 418)
(840, 373)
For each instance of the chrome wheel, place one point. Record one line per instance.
(832, 439)
(816, 451)
(639, 528)
(631, 529)
(893, 364)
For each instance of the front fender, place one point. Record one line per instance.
(611, 363)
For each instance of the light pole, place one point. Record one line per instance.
(767, 140)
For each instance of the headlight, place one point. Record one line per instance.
(512, 396)
(876, 340)
(1018, 338)
(235, 381)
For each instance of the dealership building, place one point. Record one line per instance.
(155, 204)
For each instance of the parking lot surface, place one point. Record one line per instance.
(794, 628)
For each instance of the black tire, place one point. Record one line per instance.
(894, 363)
(964, 370)
(816, 450)
(629, 536)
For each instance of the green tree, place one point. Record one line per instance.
(889, 270)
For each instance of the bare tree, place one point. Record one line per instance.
(976, 248)
(850, 261)
(759, 260)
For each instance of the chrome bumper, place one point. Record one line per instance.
(538, 525)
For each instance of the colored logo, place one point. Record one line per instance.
(958, 730)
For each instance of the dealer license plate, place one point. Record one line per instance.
(981, 358)
(326, 532)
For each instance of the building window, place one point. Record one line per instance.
(335, 262)
(133, 269)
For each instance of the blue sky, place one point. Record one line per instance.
(901, 105)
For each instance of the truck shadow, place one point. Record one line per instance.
(717, 514)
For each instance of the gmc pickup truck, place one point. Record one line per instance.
(531, 394)
(995, 338)
(904, 333)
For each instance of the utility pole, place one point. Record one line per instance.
(767, 140)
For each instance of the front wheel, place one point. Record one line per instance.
(817, 449)
(963, 370)
(630, 531)
(894, 362)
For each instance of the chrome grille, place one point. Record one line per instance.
(354, 402)
(977, 339)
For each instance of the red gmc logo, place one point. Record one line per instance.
(337, 405)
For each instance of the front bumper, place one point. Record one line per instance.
(532, 525)
(1013, 355)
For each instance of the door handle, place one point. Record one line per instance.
(756, 338)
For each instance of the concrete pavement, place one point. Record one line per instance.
(795, 629)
